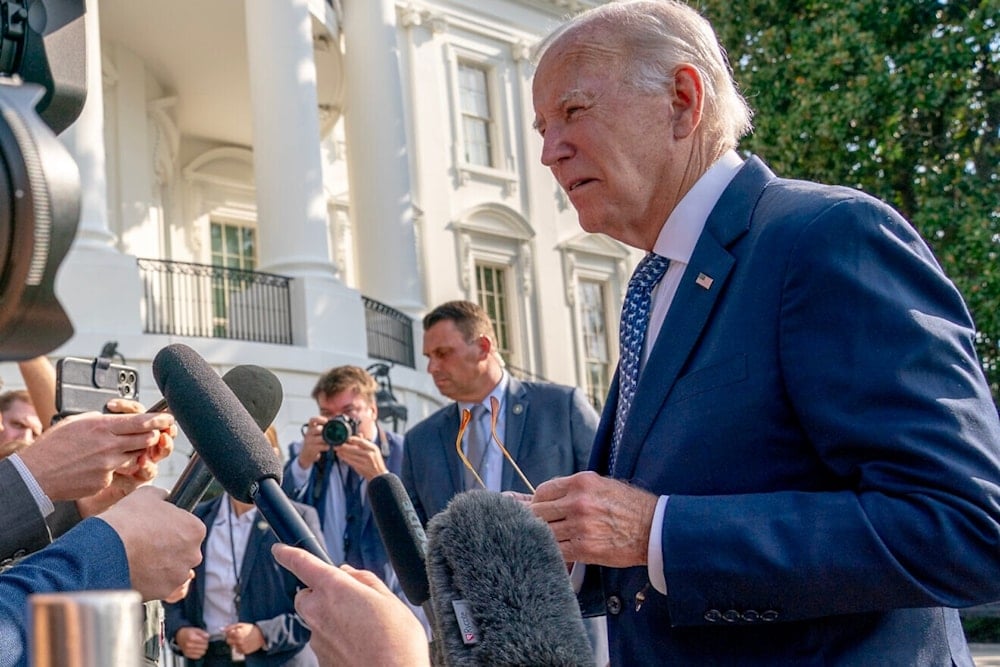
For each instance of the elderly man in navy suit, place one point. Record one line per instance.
(799, 459)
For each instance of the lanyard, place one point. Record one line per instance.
(236, 568)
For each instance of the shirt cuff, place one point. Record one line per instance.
(299, 476)
(654, 555)
(45, 505)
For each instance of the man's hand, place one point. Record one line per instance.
(355, 618)
(362, 455)
(79, 455)
(244, 637)
(193, 641)
(313, 444)
(162, 542)
(597, 520)
(135, 472)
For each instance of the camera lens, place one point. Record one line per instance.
(336, 431)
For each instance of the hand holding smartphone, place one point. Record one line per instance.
(85, 385)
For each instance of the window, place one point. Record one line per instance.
(234, 247)
(491, 292)
(477, 124)
(593, 312)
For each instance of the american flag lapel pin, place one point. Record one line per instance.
(703, 281)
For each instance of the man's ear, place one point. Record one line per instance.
(688, 101)
(485, 346)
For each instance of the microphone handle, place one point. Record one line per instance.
(287, 524)
(191, 486)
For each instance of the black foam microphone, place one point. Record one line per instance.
(402, 534)
(229, 442)
(499, 587)
(259, 391)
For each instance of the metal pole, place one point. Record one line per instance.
(85, 629)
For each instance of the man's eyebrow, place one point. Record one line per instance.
(567, 97)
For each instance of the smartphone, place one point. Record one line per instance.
(84, 385)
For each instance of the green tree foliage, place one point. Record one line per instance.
(899, 99)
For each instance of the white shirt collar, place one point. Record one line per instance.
(680, 232)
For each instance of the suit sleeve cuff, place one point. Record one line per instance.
(45, 505)
(654, 555)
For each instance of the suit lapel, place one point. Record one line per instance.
(703, 283)
(517, 412)
(447, 432)
(257, 533)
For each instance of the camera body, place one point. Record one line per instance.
(42, 91)
(338, 429)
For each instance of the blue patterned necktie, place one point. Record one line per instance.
(632, 333)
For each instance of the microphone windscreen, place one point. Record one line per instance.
(402, 534)
(492, 562)
(258, 390)
(220, 429)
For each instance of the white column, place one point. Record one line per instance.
(291, 204)
(97, 285)
(85, 141)
(378, 158)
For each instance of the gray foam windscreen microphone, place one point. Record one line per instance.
(499, 587)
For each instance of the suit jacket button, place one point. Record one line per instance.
(614, 605)
(713, 616)
(751, 616)
(731, 616)
(769, 615)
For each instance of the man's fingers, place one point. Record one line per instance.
(306, 567)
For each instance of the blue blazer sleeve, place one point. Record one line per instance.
(91, 556)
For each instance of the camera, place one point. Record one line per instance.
(338, 430)
(42, 91)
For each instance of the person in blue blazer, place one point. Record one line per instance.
(246, 609)
(547, 428)
(806, 470)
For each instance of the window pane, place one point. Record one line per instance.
(595, 338)
(474, 103)
(233, 247)
(492, 296)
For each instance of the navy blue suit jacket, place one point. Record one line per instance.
(549, 432)
(89, 557)
(825, 433)
(267, 598)
(372, 550)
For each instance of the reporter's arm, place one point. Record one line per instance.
(23, 529)
(89, 557)
(39, 377)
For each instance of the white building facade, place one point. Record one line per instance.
(277, 181)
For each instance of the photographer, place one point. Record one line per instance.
(342, 448)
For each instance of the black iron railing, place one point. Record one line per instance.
(185, 299)
(390, 333)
